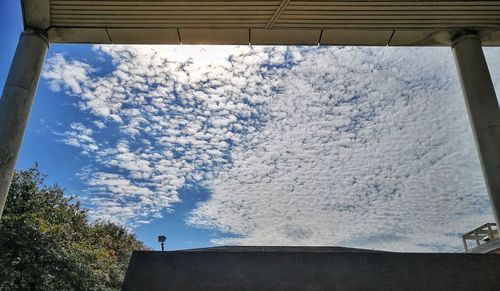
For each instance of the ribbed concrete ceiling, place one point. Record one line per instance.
(327, 22)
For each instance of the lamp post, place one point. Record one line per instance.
(161, 240)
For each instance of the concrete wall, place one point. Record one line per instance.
(261, 269)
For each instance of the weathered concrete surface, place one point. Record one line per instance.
(483, 109)
(258, 268)
(15, 103)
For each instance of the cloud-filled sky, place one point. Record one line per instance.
(351, 146)
(360, 147)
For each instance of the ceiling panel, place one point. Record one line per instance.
(263, 22)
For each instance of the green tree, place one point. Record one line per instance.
(48, 243)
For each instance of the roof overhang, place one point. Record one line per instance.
(269, 22)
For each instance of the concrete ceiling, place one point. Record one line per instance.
(269, 22)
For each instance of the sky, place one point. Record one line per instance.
(365, 147)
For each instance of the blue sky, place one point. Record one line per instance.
(361, 147)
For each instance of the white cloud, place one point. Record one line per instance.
(366, 147)
(81, 137)
(68, 75)
(177, 121)
(99, 124)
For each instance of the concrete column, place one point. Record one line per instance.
(484, 113)
(15, 103)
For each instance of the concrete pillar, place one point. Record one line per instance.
(15, 103)
(484, 113)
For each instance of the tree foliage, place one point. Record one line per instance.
(48, 243)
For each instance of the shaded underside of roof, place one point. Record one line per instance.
(282, 22)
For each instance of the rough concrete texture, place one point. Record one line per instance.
(483, 109)
(261, 268)
(15, 103)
